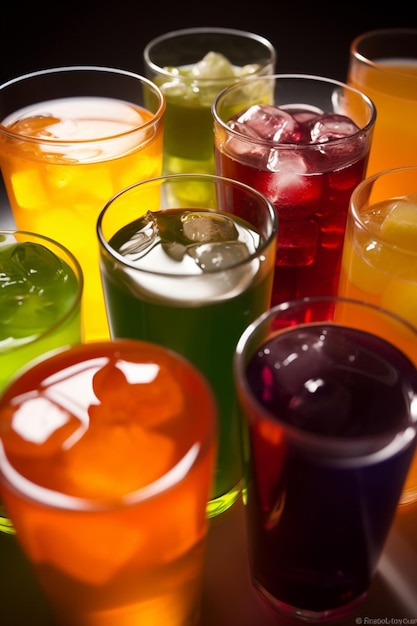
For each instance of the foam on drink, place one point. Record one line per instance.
(57, 122)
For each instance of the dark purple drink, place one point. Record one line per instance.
(325, 478)
(306, 159)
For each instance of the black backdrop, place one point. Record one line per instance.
(310, 36)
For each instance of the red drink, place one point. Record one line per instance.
(306, 159)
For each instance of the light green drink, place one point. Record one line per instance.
(191, 67)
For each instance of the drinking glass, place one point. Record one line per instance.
(191, 66)
(379, 261)
(304, 143)
(330, 418)
(70, 138)
(106, 457)
(383, 64)
(40, 305)
(191, 280)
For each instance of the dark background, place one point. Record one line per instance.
(309, 36)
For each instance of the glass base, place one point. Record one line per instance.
(305, 614)
(218, 505)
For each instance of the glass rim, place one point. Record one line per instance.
(292, 146)
(52, 499)
(215, 30)
(355, 211)
(375, 65)
(79, 275)
(352, 446)
(158, 182)
(156, 117)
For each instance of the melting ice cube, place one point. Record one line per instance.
(142, 240)
(267, 122)
(208, 227)
(331, 126)
(214, 256)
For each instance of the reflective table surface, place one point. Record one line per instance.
(228, 598)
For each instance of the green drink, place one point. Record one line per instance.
(41, 285)
(192, 280)
(40, 299)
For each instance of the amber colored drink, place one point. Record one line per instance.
(383, 65)
(106, 457)
(63, 157)
(379, 262)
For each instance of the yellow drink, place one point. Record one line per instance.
(383, 65)
(62, 159)
(379, 262)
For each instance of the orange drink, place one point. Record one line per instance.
(379, 262)
(70, 138)
(383, 65)
(106, 460)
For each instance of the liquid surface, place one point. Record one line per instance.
(333, 381)
(173, 244)
(201, 82)
(78, 120)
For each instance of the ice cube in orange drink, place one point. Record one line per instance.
(107, 458)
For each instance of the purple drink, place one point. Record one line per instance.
(324, 479)
(306, 159)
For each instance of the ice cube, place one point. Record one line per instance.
(292, 189)
(38, 126)
(331, 126)
(29, 189)
(143, 240)
(37, 265)
(400, 225)
(213, 65)
(214, 256)
(208, 227)
(267, 122)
